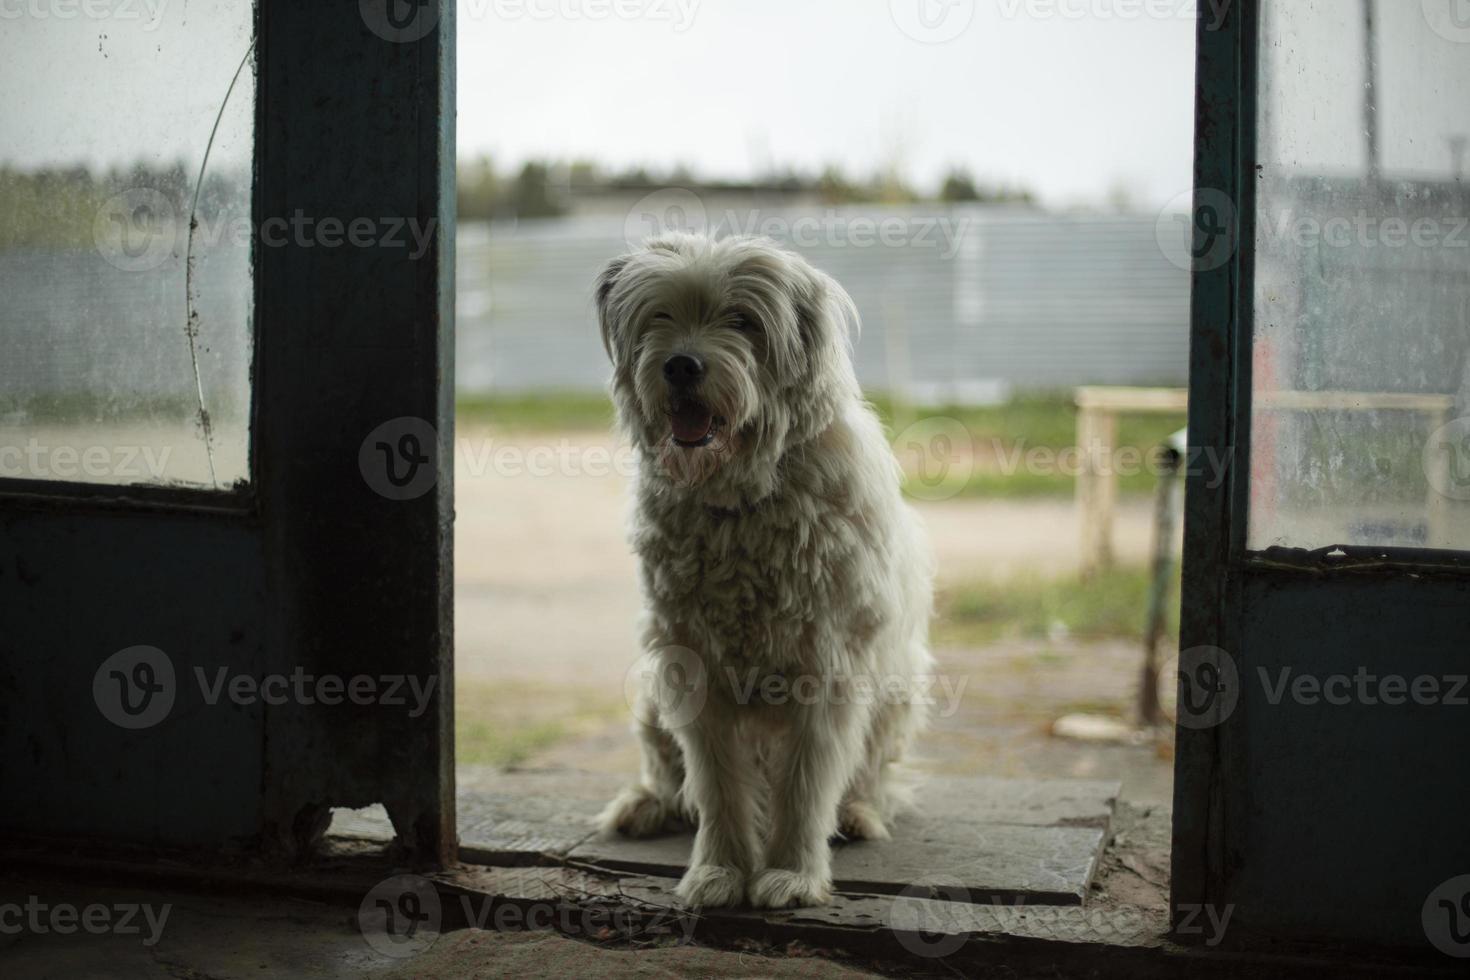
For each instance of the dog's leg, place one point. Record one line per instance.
(652, 805)
(877, 793)
(865, 805)
(720, 785)
(824, 746)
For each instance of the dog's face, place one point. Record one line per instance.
(725, 354)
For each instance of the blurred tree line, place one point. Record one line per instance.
(544, 189)
(57, 206)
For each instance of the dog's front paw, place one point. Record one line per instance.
(711, 886)
(776, 888)
(861, 821)
(637, 812)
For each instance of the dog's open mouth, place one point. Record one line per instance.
(693, 422)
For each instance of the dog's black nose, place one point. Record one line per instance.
(682, 371)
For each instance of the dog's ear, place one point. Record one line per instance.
(826, 317)
(607, 281)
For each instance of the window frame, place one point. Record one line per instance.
(306, 568)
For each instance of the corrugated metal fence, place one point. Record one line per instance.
(956, 303)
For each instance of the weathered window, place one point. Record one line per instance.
(1362, 329)
(126, 296)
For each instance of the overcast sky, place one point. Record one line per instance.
(1071, 98)
(1070, 105)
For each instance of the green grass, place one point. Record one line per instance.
(77, 407)
(504, 723)
(1112, 604)
(1029, 422)
(1045, 421)
(491, 743)
(546, 412)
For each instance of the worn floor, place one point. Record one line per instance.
(222, 938)
(162, 933)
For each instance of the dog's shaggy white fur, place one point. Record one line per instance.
(787, 585)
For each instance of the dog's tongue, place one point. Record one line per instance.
(692, 422)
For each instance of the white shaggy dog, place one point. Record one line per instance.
(787, 585)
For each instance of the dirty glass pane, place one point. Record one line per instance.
(1360, 434)
(125, 327)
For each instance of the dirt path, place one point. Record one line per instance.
(546, 588)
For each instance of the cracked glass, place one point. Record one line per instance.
(126, 296)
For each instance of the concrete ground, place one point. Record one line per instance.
(58, 926)
(224, 937)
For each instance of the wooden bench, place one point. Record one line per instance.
(1098, 409)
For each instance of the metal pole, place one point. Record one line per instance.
(1370, 89)
(1166, 513)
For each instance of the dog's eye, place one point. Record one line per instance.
(744, 323)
